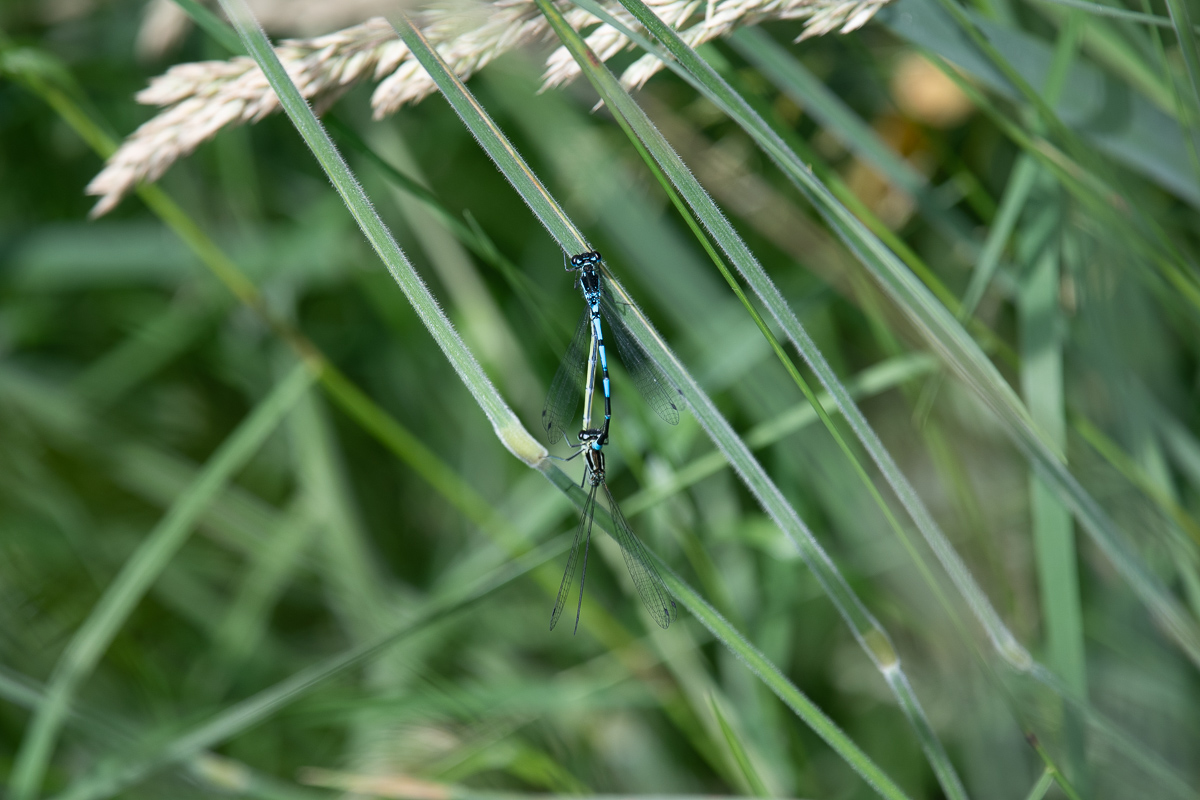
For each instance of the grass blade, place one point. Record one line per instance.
(739, 753)
(112, 778)
(1042, 384)
(89, 643)
(508, 428)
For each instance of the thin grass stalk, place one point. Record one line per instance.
(954, 346)
(1041, 785)
(1016, 192)
(744, 762)
(217, 773)
(213, 25)
(871, 381)
(1124, 14)
(1052, 768)
(467, 231)
(221, 774)
(108, 616)
(770, 675)
(1134, 473)
(811, 161)
(1181, 20)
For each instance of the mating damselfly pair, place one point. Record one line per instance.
(587, 359)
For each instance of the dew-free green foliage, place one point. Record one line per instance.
(263, 528)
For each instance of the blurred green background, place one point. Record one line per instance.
(128, 371)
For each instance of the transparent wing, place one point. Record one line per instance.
(582, 533)
(567, 386)
(646, 577)
(649, 379)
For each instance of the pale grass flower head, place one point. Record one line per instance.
(200, 99)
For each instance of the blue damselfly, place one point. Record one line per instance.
(587, 348)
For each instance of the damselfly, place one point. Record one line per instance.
(646, 578)
(577, 370)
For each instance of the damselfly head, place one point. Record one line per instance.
(584, 260)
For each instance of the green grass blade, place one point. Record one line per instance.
(148, 349)
(213, 25)
(1110, 45)
(1042, 785)
(739, 753)
(113, 777)
(1116, 13)
(1145, 139)
(1011, 204)
(794, 80)
(508, 428)
(1185, 36)
(875, 380)
(468, 232)
(246, 622)
(359, 591)
(1178, 439)
(1040, 333)
(221, 774)
(791, 77)
(89, 643)
(493, 141)
(770, 675)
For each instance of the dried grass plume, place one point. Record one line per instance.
(199, 99)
